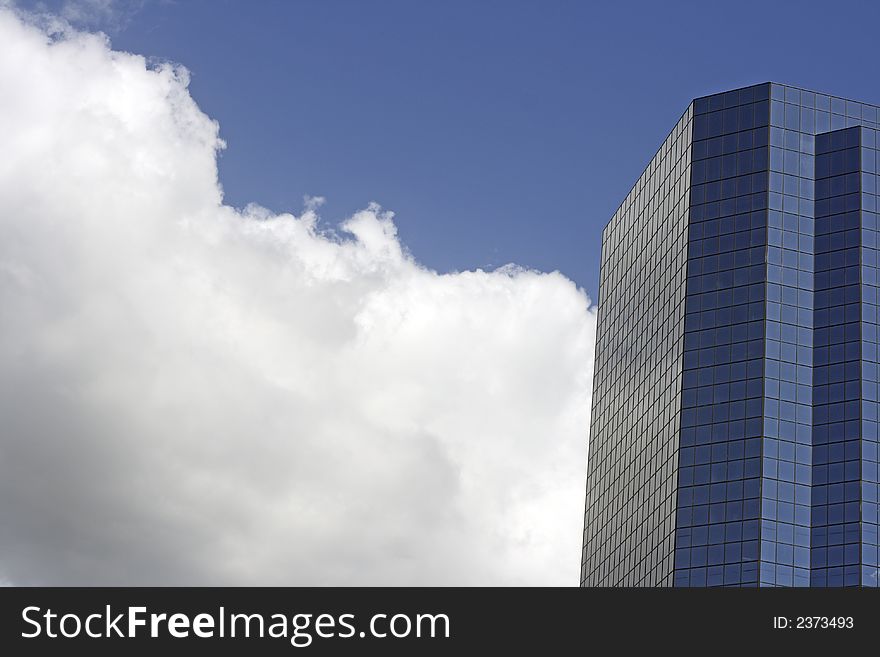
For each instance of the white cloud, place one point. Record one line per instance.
(193, 394)
(108, 15)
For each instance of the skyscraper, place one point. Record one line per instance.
(734, 435)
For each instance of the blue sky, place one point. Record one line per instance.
(496, 131)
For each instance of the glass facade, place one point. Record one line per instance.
(630, 517)
(718, 510)
(767, 363)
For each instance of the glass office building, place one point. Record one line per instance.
(734, 434)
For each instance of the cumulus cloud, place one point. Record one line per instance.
(196, 394)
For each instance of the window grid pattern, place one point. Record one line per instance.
(631, 469)
(870, 186)
(718, 503)
(788, 399)
(734, 437)
(837, 373)
(843, 453)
